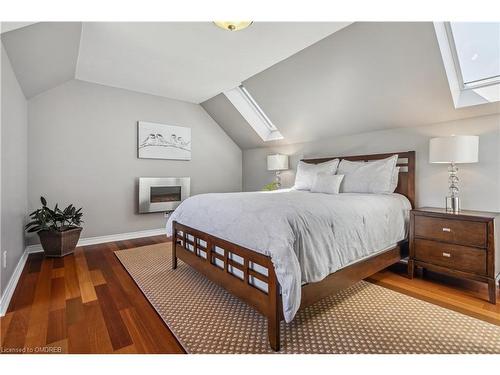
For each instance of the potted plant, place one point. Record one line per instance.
(271, 186)
(58, 230)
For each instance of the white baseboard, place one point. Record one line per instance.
(14, 279)
(11, 285)
(103, 239)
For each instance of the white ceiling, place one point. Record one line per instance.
(190, 61)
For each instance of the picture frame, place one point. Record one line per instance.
(162, 141)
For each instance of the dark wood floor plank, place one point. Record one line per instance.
(4, 326)
(15, 336)
(85, 282)
(120, 297)
(58, 263)
(77, 327)
(78, 340)
(57, 294)
(35, 262)
(57, 327)
(74, 311)
(97, 332)
(24, 293)
(143, 343)
(57, 272)
(93, 255)
(60, 347)
(123, 244)
(117, 330)
(72, 286)
(37, 326)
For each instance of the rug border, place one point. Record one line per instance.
(179, 341)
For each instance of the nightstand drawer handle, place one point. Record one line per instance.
(446, 230)
(447, 255)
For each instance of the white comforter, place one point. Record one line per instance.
(307, 235)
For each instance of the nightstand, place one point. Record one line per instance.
(462, 245)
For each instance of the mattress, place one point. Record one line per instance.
(307, 235)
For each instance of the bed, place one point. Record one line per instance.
(283, 251)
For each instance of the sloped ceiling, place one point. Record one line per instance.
(43, 55)
(367, 76)
(314, 80)
(228, 117)
(190, 61)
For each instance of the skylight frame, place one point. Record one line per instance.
(458, 69)
(462, 95)
(253, 113)
(269, 124)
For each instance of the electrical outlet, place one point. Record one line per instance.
(4, 259)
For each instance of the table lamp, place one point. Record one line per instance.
(454, 150)
(277, 163)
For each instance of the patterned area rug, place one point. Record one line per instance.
(365, 318)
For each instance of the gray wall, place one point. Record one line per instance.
(83, 150)
(479, 183)
(366, 77)
(14, 166)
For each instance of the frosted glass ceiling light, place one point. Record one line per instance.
(233, 25)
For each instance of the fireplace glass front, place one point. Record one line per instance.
(165, 194)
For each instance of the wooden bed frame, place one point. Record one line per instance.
(240, 270)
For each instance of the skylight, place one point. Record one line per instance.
(477, 48)
(253, 113)
(471, 58)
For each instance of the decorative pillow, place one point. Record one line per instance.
(327, 183)
(306, 173)
(372, 177)
(394, 180)
(347, 166)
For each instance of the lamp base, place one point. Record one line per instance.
(453, 204)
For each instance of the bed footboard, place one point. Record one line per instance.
(242, 272)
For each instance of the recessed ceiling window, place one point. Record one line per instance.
(253, 113)
(477, 46)
(471, 58)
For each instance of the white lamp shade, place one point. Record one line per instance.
(454, 149)
(277, 162)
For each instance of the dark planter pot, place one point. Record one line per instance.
(59, 244)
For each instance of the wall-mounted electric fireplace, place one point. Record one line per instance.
(162, 194)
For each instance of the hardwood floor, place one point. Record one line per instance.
(84, 303)
(465, 296)
(87, 303)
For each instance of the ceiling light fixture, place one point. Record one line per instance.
(233, 25)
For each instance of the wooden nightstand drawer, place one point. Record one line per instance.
(463, 232)
(462, 258)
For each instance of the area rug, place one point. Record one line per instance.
(364, 318)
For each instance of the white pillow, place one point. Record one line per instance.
(347, 166)
(306, 173)
(394, 180)
(373, 177)
(327, 183)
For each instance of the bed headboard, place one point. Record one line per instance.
(406, 162)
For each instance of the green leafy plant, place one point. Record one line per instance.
(271, 186)
(55, 219)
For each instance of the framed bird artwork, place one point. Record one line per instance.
(161, 141)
